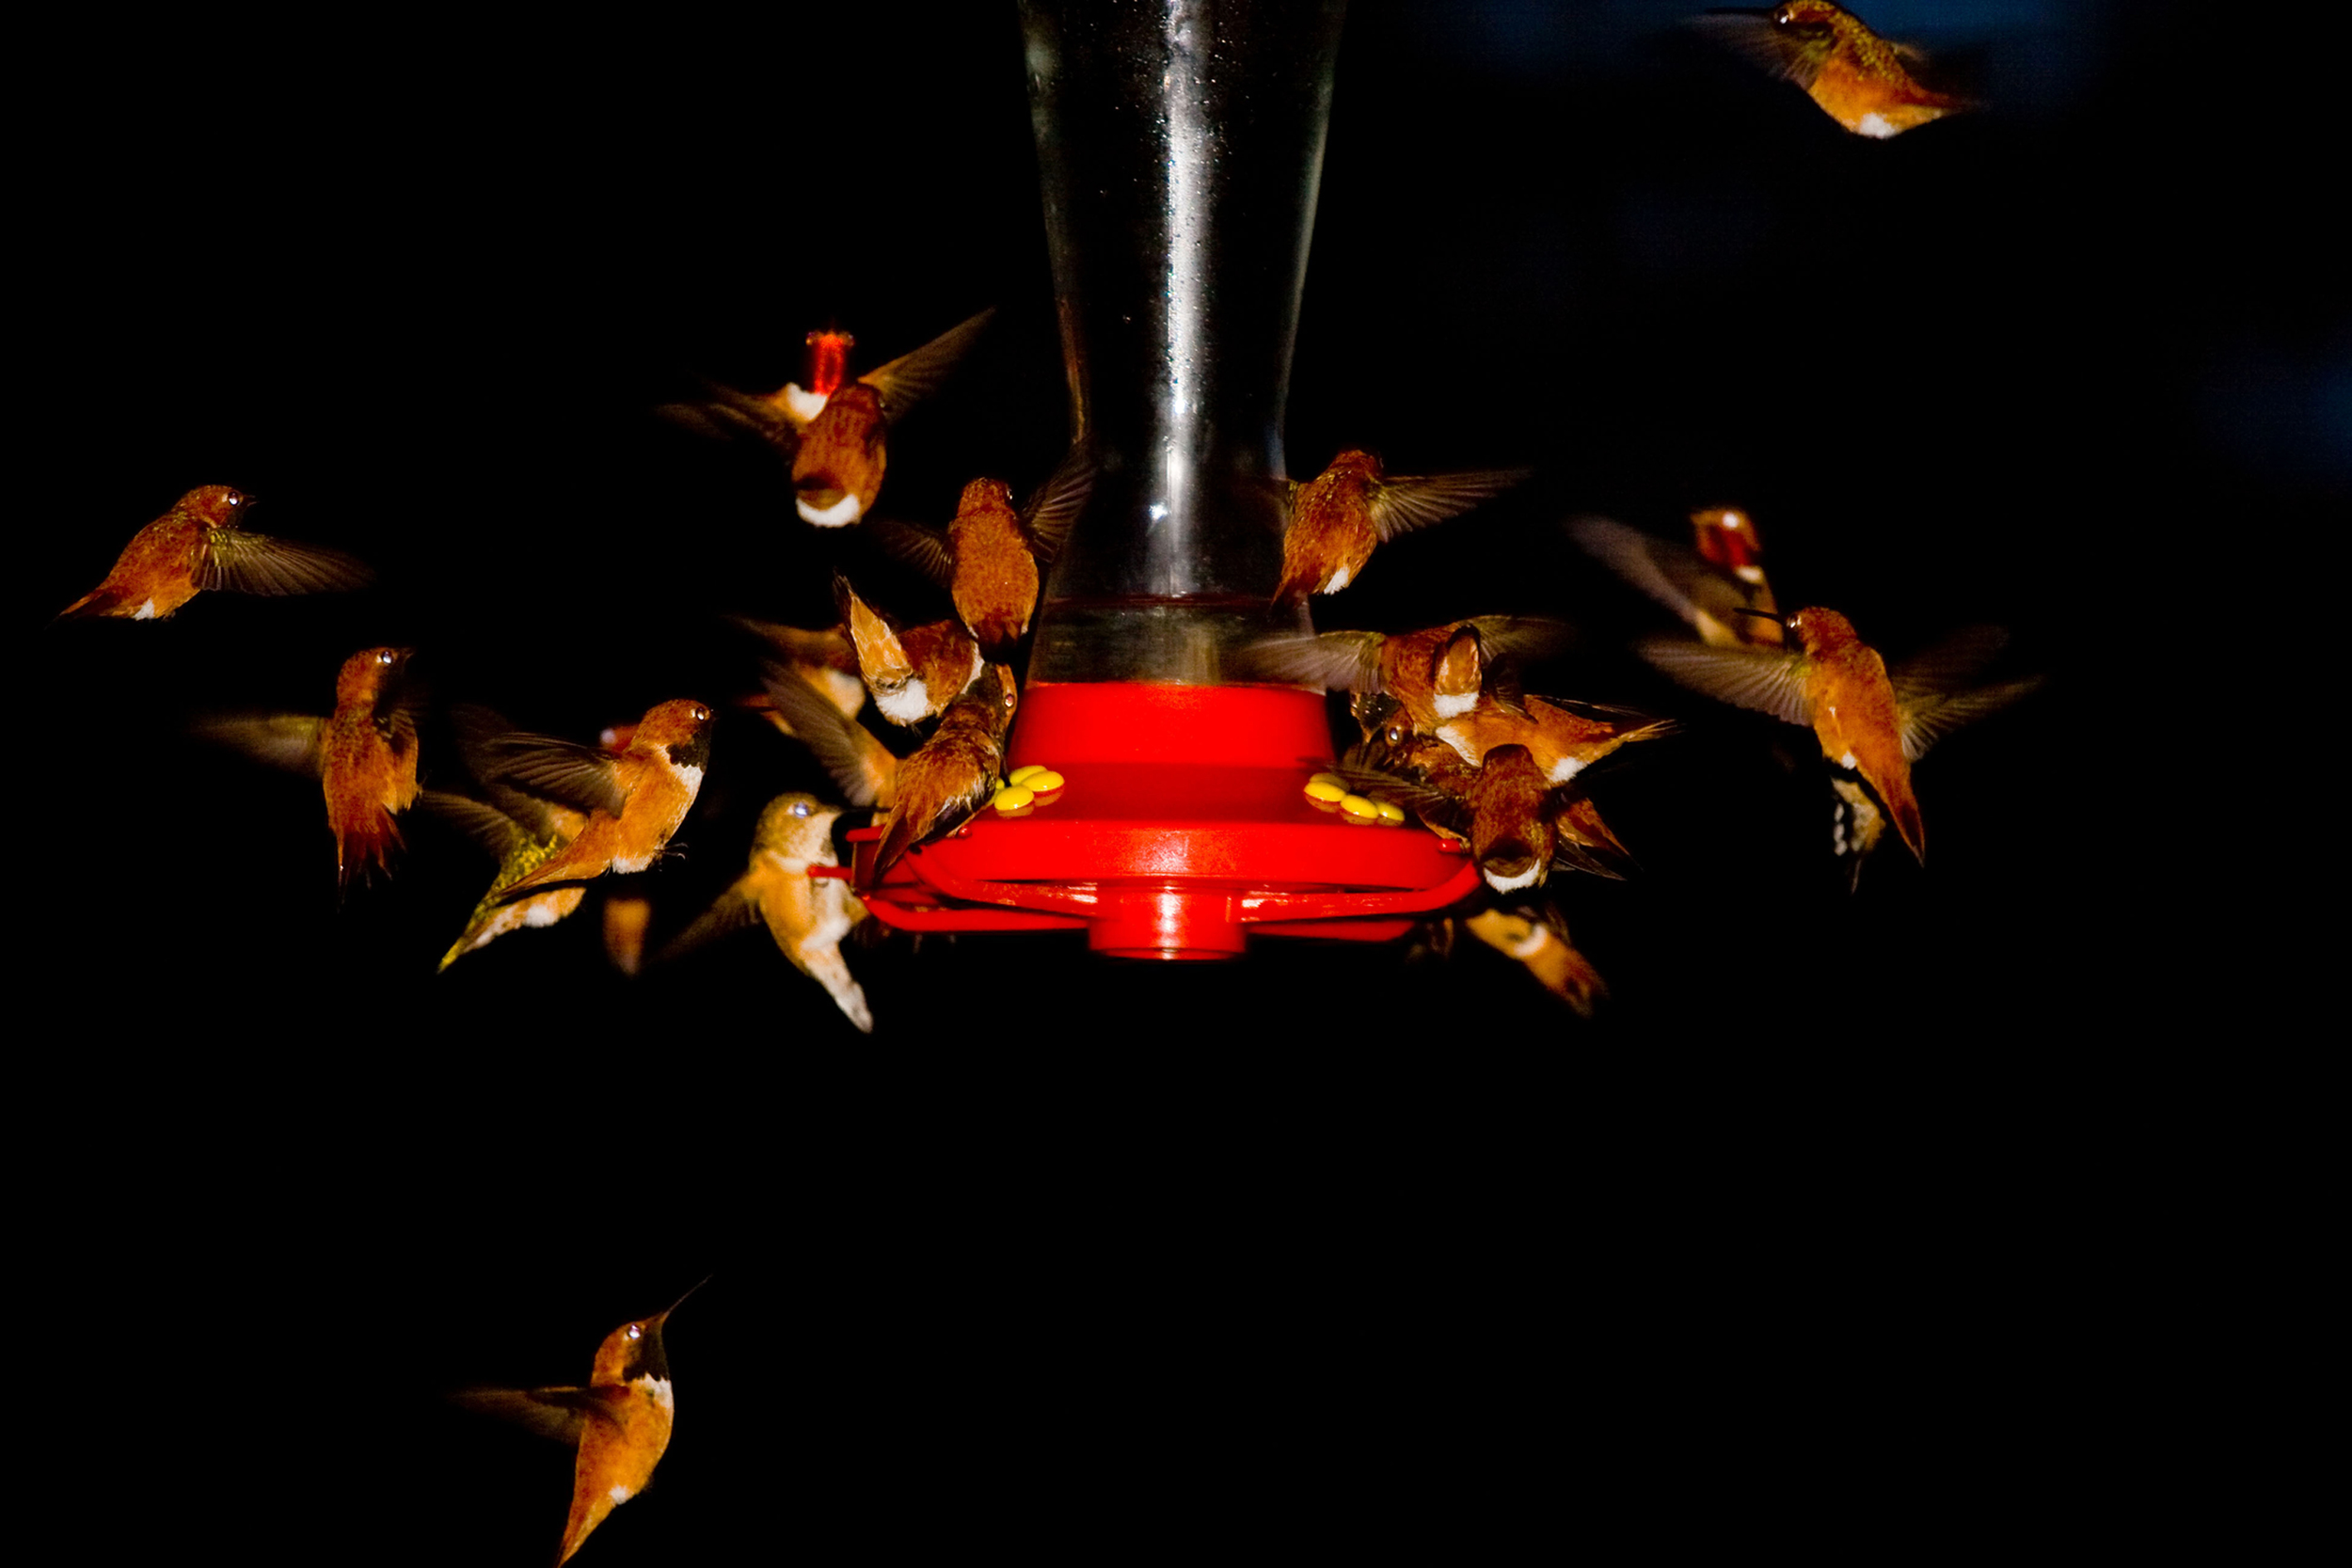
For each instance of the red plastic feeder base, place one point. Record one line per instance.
(1183, 826)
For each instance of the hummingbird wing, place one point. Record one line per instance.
(559, 1414)
(477, 726)
(723, 413)
(1403, 503)
(256, 563)
(860, 765)
(563, 770)
(910, 378)
(485, 824)
(1795, 52)
(829, 645)
(287, 740)
(1754, 678)
(1335, 660)
(1930, 719)
(1949, 665)
(926, 549)
(735, 909)
(1057, 502)
(1672, 573)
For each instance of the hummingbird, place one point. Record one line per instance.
(1870, 723)
(951, 775)
(1860, 80)
(1539, 938)
(914, 673)
(989, 556)
(364, 755)
(1431, 676)
(520, 831)
(1719, 587)
(198, 545)
(1340, 515)
(634, 801)
(1562, 738)
(620, 1423)
(807, 916)
(834, 430)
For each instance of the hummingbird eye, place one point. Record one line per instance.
(702, 714)
(636, 1331)
(799, 808)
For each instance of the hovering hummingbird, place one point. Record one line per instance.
(950, 775)
(620, 1423)
(198, 545)
(520, 831)
(833, 431)
(860, 765)
(914, 673)
(1562, 738)
(364, 755)
(988, 560)
(1340, 515)
(634, 801)
(1868, 724)
(807, 916)
(1538, 938)
(1860, 80)
(1431, 676)
(1719, 587)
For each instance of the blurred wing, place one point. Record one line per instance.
(1755, 678)
(287, 740)
(1400, 505)
(732, 912)
(476, 727)
(561, 1414)
(256, 563)
(1665, 571)
(1752, 36)
(860, 765)
(1949, 665)
(911, 377)
(1335, 660)
(1931, 718)
(488, 826)
(722, 413)
(563, 770)
(1058, 503)
(923, 549)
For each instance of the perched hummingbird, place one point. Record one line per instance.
(620, 1423)
(1860, 80)
(950, 775)
(198, 545)
(1336, 518)
(807, 916)
(1431, 676)
(364, 755)
(634, 801)
(914, 673)
(1719, 588)
(988, 560)
(1868, 724)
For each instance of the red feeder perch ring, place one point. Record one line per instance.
(1182, 826)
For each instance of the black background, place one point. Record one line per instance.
(1023, 1263)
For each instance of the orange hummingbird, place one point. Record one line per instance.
(807, 916)
(634, 801)
(1431, 676)
(913, 674)
(988, 560)
(198, 545)
(364, 755)
(1868, 724)
(1719, 588)
(1860, 80)
(1340, 515)
(951, 775)
(1562, 738)
(1539, 939)
(620, 1423)
(834, 430)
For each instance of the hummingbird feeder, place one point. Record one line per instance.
(1180, 145)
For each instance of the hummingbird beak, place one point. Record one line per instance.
(1773, 616)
